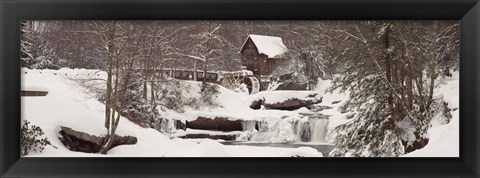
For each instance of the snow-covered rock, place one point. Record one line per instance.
(218, 123)
(285, 100)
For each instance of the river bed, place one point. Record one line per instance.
(323, 148)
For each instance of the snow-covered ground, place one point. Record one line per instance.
(68, 105)
(444, 138)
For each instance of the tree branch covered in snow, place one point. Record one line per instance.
(391, 85)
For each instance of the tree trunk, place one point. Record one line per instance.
(410, 92)
(144, 93)
(432, 84)
(388, 70)
(432, 67)
(195, 70)
(110, 137)
(205, 64)
(108, 98)
(152, 92)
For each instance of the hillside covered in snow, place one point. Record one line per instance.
(68, 105)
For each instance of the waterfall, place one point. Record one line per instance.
(249, 125)
(298, 130)
(262, 126)
(302, 130)
(319, 130)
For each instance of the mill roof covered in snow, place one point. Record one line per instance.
(272, 46)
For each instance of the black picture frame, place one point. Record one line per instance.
(12, 11)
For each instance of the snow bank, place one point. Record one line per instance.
(334, 99)
(235, 106)
(444, 138)
(304, 152)
(259, 151)
(444, 141)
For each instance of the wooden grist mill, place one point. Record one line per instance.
(260, 56)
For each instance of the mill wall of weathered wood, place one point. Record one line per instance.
(258, 63)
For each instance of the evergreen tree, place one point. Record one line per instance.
(391, 78)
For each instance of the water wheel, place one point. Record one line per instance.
(252, 84)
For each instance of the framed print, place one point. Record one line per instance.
(239, 88)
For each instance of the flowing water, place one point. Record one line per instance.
(318, 130)
(309, 131)
(322, 148)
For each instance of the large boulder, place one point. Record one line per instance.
(84, 142)
(292, 86)
(227, 137)
(291, 104)
(217, 123)
(257, 103)
(284, 100)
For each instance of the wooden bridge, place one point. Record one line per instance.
(183, 74)
(228, 79)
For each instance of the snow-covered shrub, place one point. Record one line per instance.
(438, 113)
(178, 95)
(406, 131)
(441, 112)
(170, 94)
(130, 102)
(209, 94)
(43, 62)
(31, 139)
(141, 113)
(137, 110)
(181, 95)
(164, 126)
(369, 134)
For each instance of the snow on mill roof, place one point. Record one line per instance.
(272, 46)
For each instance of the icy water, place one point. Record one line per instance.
(314, 129)
(323, 148)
